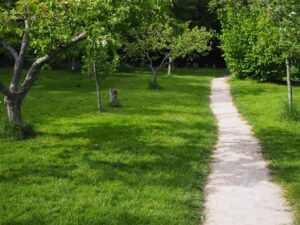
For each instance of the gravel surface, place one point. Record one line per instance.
(239, 190)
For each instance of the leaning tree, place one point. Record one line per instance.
(48, 28)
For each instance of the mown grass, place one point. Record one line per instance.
(144, 163)
(261, 104)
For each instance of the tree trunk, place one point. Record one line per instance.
(99, 108)
(13, 105)
(289, 83)
(153, 83)
(73, 64)
(154, 77)
(170, 66)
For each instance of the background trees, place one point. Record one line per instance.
(260, 39)
(160, 41)
(51, 27)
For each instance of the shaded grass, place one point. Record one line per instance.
(144, 163)
(261, 104)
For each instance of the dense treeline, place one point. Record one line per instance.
(199, 13)
(259, 37)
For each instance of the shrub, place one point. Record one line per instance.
(250, 44)
(295, 73)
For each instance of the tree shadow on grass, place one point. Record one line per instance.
(130, 156)
(281, 147)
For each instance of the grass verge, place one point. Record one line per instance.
(261, 105)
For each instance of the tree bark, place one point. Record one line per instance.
(14, 114)
(15, 94)
(154, 77)
(289, 83)
(98, 89)
(170, 66)
(35, 68)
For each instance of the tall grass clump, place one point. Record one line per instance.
(289, 112)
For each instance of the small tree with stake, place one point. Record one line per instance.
(100, 61)
(159, 42)
(285, 16)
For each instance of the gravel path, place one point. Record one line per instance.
(239, 190)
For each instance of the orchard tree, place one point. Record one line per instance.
(160, 43)
(50, 27)
(259, 37)
(248, 41)
(285, 16)
(100, 61)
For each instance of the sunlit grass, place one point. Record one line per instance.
(144, 163)
(261, 104)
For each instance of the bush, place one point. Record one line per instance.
(250, 45)
(17, 131)
(295, 73)
(289, 113)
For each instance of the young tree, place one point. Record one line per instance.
(159, 42)
(49, 28)
(100, 61)
(285, 16)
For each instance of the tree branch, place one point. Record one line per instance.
(150, 61)
(35, 68)
(24, 40)
(11, 50)
(163, 62)
(20, 60)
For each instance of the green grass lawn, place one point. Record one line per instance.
(144, 163)
(261, 105)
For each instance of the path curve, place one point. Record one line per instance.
(239, 190)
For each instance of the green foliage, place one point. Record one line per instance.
(142, 164)
(166, 38)
(54, 22)
(295, 72)
(192, 42)
(169, 38)
(249, 46)
(258, 36)
(102, 53)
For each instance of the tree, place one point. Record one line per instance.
(285, 16)
(248, 41)
(100, 61)
(159, 42)
(49, 28)
(259, 37)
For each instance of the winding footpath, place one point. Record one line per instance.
(239, 190)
